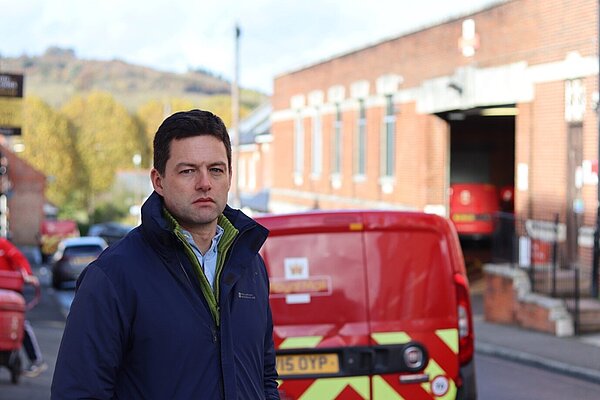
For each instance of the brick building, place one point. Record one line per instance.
(253, 172)
(505, 94)
(24, 186)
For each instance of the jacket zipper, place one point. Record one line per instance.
(184, 271)
(213, 326)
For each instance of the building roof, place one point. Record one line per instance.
(258, 123)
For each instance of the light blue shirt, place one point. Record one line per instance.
(207, 261)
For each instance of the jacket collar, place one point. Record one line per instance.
(158, 230)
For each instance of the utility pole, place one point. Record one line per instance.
(596, 255)
(235, 119)
(3, 198)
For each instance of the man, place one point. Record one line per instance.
(179, 308)
(11, 259)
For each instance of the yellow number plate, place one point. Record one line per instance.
(307, 364)
(463, 217)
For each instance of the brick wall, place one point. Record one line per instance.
(25, 200)
(500, 300)
(508, 300)
(534, 32)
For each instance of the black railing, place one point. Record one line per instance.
(535, 246)
(504, 239)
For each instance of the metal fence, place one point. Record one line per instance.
(539, 248)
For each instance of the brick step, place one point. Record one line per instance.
(589, 314)
(564, 285)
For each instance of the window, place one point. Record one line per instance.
(388, 143)
(336, 156)
(317, 146)
(361, 140)
(298, 148)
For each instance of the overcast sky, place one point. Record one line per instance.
(174, 35)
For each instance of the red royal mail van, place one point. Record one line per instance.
(369, 305)
(473, 207)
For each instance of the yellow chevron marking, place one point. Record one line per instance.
(330, 388)
(390, 337)
(301, 342)
(434, 369)
(450, 337)
(383, 390)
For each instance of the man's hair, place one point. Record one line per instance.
(186, 124)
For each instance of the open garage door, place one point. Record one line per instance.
(482, 177)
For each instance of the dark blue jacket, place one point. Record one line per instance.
(140, 328)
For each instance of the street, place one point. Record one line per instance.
(497, 379)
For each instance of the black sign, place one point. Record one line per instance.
(11, 85)
(10, 131)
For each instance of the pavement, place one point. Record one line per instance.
(577, 356)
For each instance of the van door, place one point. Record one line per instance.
(412, 307)
(319, 305)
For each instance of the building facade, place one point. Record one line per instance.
(23, 188)
(505, 95)
(253, 172)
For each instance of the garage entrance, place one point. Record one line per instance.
(482, 178)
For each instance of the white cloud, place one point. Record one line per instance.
(173, 35)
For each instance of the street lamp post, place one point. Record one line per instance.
(596, 255)
(137, 161)
(235, 118)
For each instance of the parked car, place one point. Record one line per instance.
(72, 256)
(109, 231)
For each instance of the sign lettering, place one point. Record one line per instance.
(11, 85)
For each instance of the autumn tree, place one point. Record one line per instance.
(150, 115)
(50, 148)
(221, 105)
(106, 138)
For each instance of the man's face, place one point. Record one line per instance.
(196, 181)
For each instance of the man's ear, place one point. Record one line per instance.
(156, 179)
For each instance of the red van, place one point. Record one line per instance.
(472, 209)
(369, 305)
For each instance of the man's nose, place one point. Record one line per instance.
(203, 181)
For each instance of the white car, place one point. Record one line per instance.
(72, 256)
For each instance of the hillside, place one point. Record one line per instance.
(58, 75)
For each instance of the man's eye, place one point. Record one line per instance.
(186, 171)
(217, 170)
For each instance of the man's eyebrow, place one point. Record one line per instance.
(194, 165)
(185, 164)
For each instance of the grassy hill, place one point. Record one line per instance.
(58, 75)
